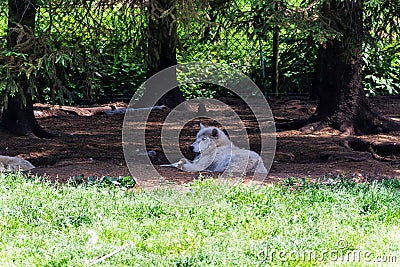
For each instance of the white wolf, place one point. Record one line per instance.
(216, 153)
(14, 164)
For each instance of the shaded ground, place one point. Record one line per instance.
(91, 145)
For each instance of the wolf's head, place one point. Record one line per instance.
(209, 138)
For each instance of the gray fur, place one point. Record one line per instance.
(14, 164)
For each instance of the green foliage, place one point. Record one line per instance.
(35, 62)
(381, 69)
(3, 24)
(105, 83)
(94, 51)
(107, 39)
(88, 50)
(105, 181)
(381, 49)
(217, 39)
(297, 65)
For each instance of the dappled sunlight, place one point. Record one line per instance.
(93, 146)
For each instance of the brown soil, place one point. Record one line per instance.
(90, 145)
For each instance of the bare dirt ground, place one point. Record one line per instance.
(91, 145)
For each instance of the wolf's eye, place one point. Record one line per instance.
(204, 138)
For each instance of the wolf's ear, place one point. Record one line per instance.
(214, 132)
(202, 126)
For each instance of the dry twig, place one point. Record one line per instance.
(102, 258)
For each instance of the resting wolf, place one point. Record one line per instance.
(14, 164)
(216, 153)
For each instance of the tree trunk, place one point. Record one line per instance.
(317, 76)
(343, 104)
(18, 117)
(162, 42)
(20, 120)
(275, 56)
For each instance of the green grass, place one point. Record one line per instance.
(47, 225)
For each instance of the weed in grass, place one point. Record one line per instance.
(121, 181)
